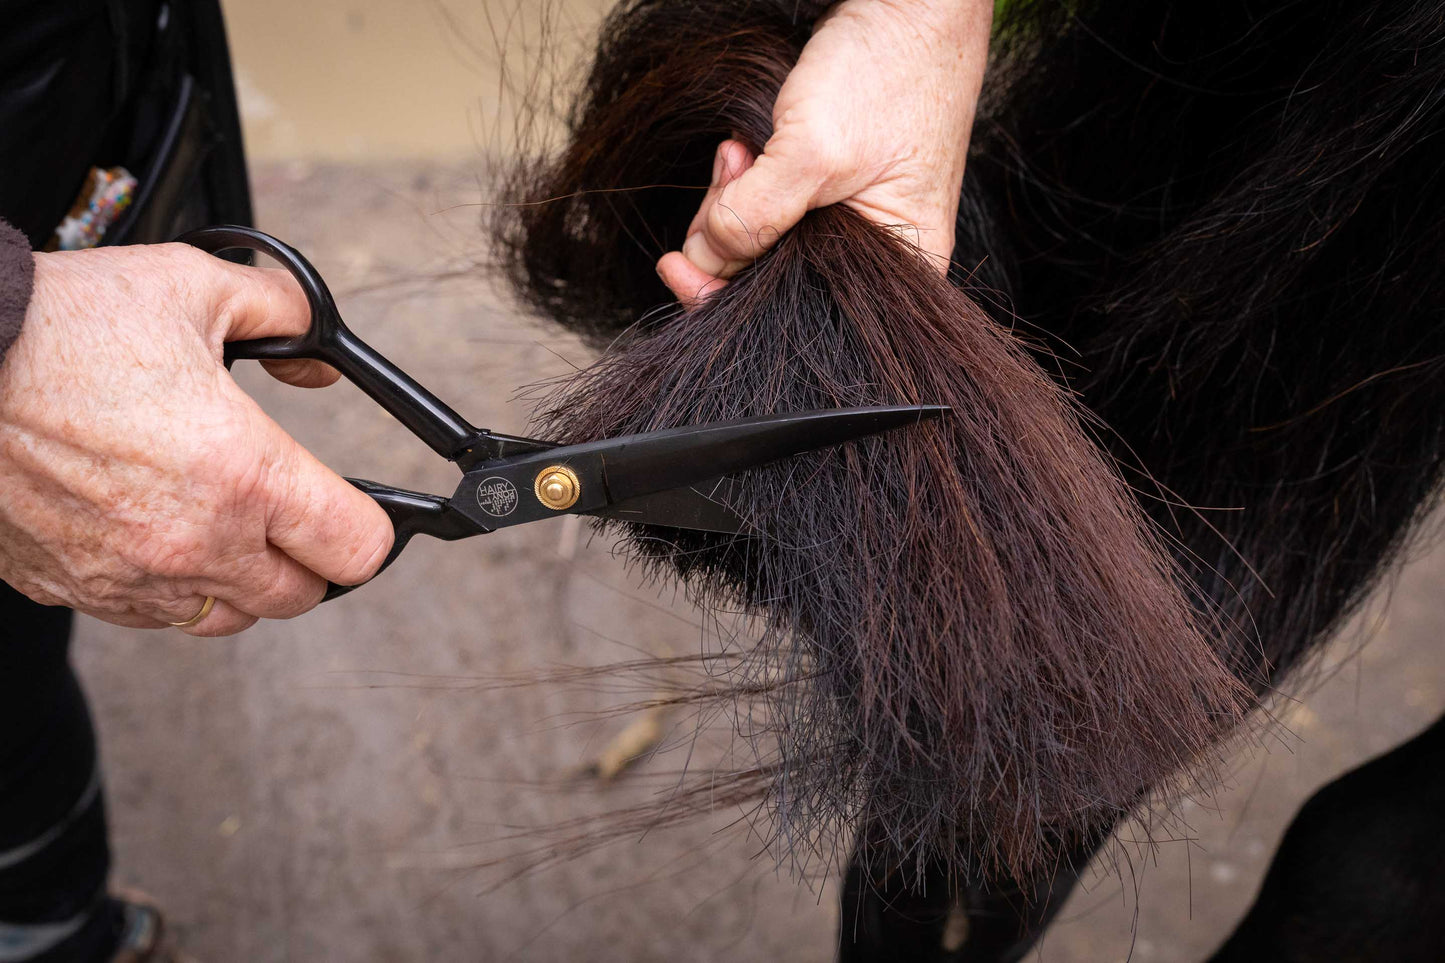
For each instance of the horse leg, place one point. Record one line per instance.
(1357, 876)
(937, 921)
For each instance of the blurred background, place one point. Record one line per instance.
(355, 784)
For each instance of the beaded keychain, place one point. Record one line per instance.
(104, 197)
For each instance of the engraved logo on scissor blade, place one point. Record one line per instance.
(497, 496)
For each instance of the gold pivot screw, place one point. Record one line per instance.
(557, 487)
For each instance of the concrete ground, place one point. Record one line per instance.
(339, 787)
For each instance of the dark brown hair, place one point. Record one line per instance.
(970, 635)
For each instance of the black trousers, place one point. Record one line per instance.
(54, 854)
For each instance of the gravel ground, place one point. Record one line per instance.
(330, 788)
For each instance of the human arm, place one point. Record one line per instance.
(876, 114)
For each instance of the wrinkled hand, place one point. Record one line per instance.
(875, 114)
(137, 478)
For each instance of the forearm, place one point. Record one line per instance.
(959, 28)
(17, 278)
(965, 15)
(962, 24)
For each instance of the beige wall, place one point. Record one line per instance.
(364, 80)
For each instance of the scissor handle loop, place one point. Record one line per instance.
(329, 339)
(324, 339)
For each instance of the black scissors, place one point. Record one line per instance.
(677, 477)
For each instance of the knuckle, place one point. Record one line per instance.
(189, 270)
(748, 226)
(826, 158)
(731, 223)
(365, 558)
(95, 581)
(185, 256)
(246, 478)
(179, 252)
(811, 146)
(290, 509)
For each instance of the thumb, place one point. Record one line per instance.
(268, 303)
(321, 520)
(751, 211)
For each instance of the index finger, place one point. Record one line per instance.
(689, 283)
(266, 302)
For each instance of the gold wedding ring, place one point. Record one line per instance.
(205, 611)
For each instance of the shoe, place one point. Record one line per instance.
(143, 935)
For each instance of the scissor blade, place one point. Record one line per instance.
(613, 471)
(702, 508)
(679, 457)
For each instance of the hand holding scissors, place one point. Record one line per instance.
(678, 477)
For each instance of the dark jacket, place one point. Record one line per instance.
(143, 84)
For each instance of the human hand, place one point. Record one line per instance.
(137, 477)
(876, 114)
